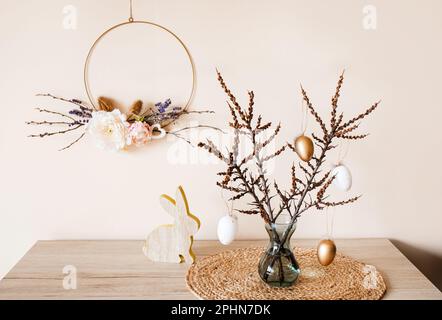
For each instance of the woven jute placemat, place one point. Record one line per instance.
(234, 275)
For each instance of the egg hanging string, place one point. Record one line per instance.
(329, 221)
(304, 117)
(344, 147)
(326, 250)
(226, 202)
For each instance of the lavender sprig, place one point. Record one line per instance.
(162, 106)
(80, 113)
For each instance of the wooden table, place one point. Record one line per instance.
(119, 270)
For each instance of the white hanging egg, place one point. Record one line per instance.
(342, 177)
(227, 228)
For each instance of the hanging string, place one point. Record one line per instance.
(344, 146)
(229, 208)
(304, 117)
(329, 221)
(131, 17)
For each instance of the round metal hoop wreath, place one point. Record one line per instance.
(148, 23)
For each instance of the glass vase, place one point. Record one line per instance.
(278, 266)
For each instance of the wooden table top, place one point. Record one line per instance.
(119, 270)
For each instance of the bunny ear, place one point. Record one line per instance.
(181, 202)
(192, 224)
(168, 205)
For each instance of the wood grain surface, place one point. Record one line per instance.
(119, 270)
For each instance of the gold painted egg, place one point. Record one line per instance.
(304, 148)
(326, 252)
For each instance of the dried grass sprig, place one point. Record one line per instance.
(106, 104)
(136, 107)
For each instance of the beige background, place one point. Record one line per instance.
(268, 46)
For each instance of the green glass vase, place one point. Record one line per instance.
(278, 266)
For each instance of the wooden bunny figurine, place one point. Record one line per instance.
(173, 242)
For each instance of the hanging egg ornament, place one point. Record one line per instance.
(342, 178)
(304, 147)
(227, 228)
(326, 251)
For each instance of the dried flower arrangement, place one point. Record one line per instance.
(113, 130)
(248, 177)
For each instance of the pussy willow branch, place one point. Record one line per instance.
(250, 188)
(48, 134)
(73, 124)
(55, 113)
(176, 133)
(242, 120)
(327, 144)
(297, 197)
(257, 148)
(151, 116)
(196, 127)
(77, 102)
(84, 113)
(335, 99)
(298, 210)
(73, 142)
(50, 123)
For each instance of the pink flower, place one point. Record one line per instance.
(139, 133)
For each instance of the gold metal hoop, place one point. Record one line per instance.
(131, 21)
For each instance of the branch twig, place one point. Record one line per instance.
(73, 142)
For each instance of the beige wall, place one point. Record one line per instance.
(268, 46)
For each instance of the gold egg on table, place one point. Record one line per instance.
(304, 147)
(326, 252)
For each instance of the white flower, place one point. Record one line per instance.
(109, 129)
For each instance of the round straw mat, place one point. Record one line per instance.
(234, 275)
